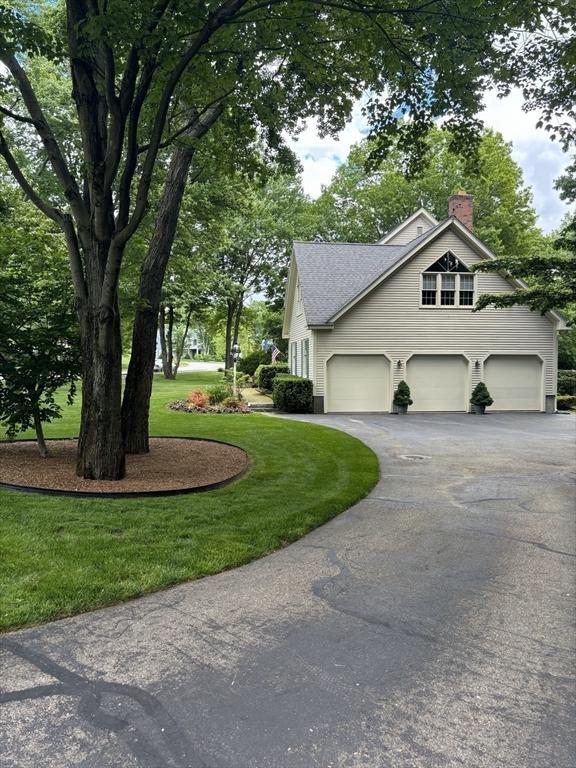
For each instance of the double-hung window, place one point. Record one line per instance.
(305, 357)
(447, 283)
(294, 358)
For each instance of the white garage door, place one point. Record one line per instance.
(358, 383)
(514, 381)
(438, 382)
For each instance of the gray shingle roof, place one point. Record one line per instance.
(332, 274)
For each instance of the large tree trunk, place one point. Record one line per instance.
(169, 367)
(181, 345)
(238, 317)
(165, 335)
(100, 446)
(138, 387)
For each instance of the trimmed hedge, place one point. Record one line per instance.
(567, 382)
(292, 394)
(250, 363)
(566, 402)
(265, 374)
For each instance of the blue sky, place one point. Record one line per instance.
(540, 159)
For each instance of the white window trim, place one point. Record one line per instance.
(456, 304)
(305, 353)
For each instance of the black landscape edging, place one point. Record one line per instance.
(133, 494)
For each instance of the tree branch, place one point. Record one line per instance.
(215, 21)
(48, 210)
(14, 116)
(59, 165)
(75, 257)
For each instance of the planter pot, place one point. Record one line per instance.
(401, 409)
(479, 409)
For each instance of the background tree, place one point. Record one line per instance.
(566, 185)
(276, 63)
(247, 233)
(39, 350)
(361, 205)
(549, 275)
(550, 282)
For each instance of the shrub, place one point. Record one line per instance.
(265, 374)
(232, 402)
(292, 394)
(249, 363)
(566, 402)
(243, 381)
(402, 395)
(198, 399)
(480, 395)
(219, 392)
(567, 382)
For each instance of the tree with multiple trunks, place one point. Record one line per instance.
(145, 75)
(39, 351)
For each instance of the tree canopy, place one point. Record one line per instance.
(361, 205)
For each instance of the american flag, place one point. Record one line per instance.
(275, 353)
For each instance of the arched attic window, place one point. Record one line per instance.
(447, 283)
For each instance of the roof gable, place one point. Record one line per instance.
(400, 232)
(415, 246)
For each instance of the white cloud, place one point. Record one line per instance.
(320, 157)
(541, 160)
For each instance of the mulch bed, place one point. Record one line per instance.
(173, 464)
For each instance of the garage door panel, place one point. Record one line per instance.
(438, 382)
(359, 383)
(514, 382)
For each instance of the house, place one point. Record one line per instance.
(362, 317)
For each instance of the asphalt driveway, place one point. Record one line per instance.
(428, 626)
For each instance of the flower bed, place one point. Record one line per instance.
(188, 407)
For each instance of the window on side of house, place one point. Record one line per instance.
(294, 358)
(466, 290)
(447, 283)
(305, 358)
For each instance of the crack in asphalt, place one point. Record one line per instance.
(537, 544)
(340, 584)
(179, 752)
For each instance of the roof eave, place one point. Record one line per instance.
(288, 298)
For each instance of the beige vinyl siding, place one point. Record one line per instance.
(410, 231)
(299, 331)
(391, 321)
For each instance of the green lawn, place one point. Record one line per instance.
(60, 556)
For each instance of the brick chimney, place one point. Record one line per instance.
(460, 206)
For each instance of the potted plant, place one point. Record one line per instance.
(402, 398)
(480, 398)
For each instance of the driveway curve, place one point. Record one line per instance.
(429, 625)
